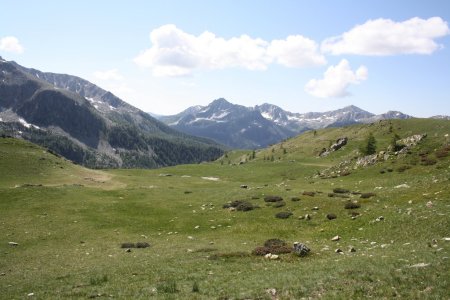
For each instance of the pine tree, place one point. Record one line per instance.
(369, 146)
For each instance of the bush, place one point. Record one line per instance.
(309, 193)
(273, 198)
(142, 245)
(279, 204)
(331, 216)
(403, 168)
(426, 161)
(367, 195)
(352, 205)
(340, 191)
(283, 215)
(127, 245)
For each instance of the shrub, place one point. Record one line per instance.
(260, 251)
(142, 245)
(340, 191)
(283, 215)
(426, 161)
(273, 198)
(352, 205)
(280, 250)
(279, 204)
(127, 245)
(331, 216)
(367, 195)
(309, 193)
(195, 287)
(403, 168)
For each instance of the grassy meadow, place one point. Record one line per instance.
(69, 223)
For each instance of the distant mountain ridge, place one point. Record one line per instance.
(238, 126)
(89, 125)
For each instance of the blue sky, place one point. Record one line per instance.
(164, 56)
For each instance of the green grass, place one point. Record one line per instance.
(70, 223)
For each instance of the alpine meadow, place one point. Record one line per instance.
(224, 150)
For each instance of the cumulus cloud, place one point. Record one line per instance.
(11, 44)
(296, 51)
(177, 53)
(336, 81)
(383, 37)
(112, 74)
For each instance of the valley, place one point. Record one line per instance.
(64, 226)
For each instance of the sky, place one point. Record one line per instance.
(165, 56)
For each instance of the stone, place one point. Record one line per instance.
(244, 186)
(315, 208)
(402, 186)
(301, 249)
(307, 217)
(420, 265)
(128, 250)
(380, 218)
(274, 257)
(351, 249)
(339, 251)
(13, 244)
(336, 238)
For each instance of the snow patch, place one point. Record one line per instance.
(211, 178)
(37, 75)
(26, 124)
(267, 116)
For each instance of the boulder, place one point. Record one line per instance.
(301, 249)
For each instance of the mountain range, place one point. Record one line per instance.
(88, 125)
(243, 127)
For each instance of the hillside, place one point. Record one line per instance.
(69, 223)
(89, 125)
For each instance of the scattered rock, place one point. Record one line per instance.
(307, 217)
(244, 186)
(331, 216)
(447, 239)
(339, 251)
(315, 208)
(341, 142)
(272, 256)
(336, 238)
(128, 250)
(239, 205)
(301, 249)
(380, 218)
(429, 204)
(30, 294)
(401, 186)
(13, 244)
(420, 265)
(272, 292)
(351, 249)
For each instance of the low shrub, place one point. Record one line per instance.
(403, 168)
(367, 195)
(311, 194)
(273, 198)
(260, 251)
(283, 215)
(279, 204)
(352, 205)
(331, 216)
(340, 191)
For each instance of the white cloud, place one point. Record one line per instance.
(112, 74)
(336, 80)
(177, 53)
(296, 51)
(386, 37)
(11, 44)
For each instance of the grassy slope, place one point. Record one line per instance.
(69, 235)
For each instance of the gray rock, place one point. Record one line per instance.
(13, 244)
(301, 249)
